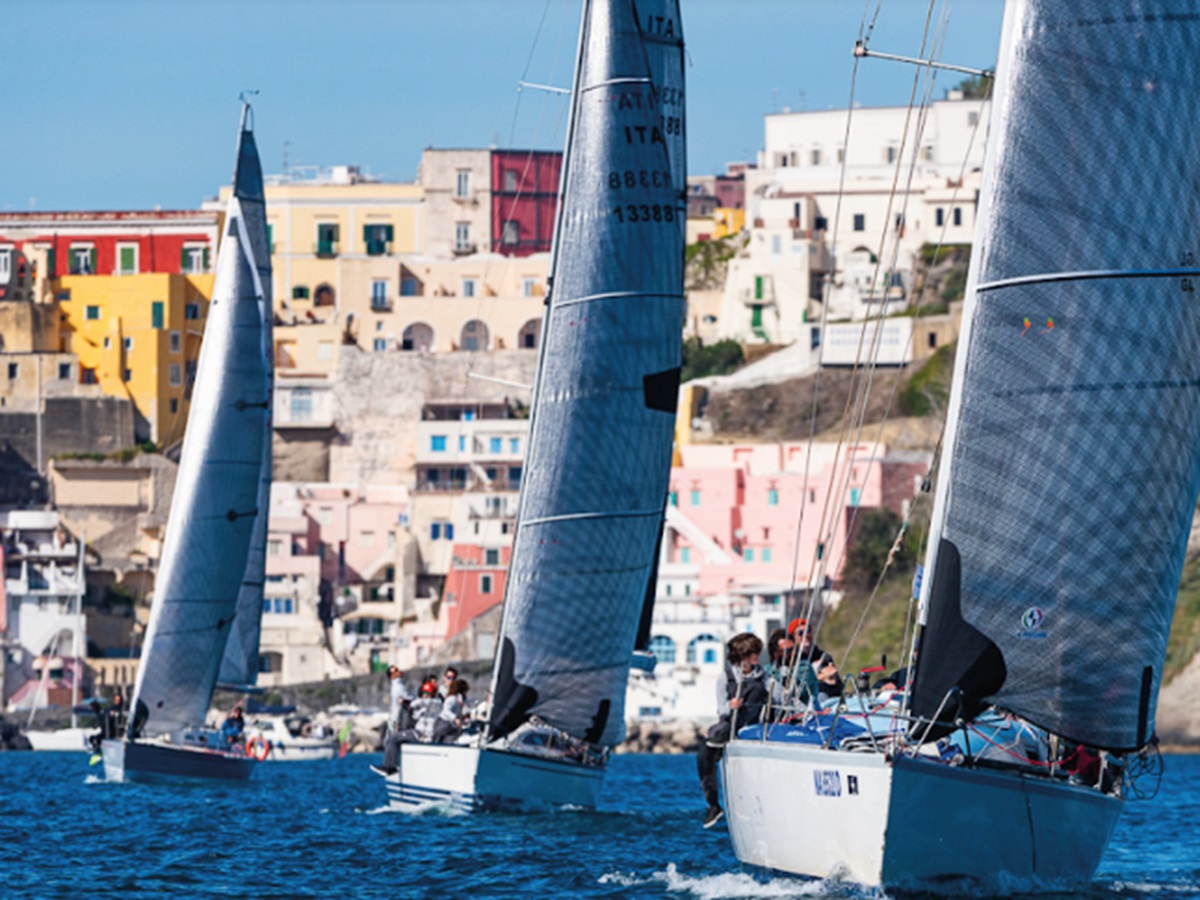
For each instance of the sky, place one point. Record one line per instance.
(133, 104)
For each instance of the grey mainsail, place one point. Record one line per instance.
(219, 491)
(600, 441)
(1069, 487)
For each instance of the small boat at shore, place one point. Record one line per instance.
(289, 738)
(217, 517)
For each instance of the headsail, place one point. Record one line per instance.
(1065, 501)
(603, 409)
(219, 488)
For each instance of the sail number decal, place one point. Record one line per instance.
(644, 212)
(827, 782)
(640, 178)
(661, 26)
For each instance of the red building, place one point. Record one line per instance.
(524, 196)
(114, 243)
(474, 584)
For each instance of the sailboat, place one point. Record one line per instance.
(217, 518)
(1064, 495)
(582, 574)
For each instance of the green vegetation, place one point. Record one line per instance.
(929, 389)
(720, 358)
(954, 285)
(882, 631)
(933, 254)
(874, 533)
(975, 87)
(1184, 642)
(705, 262)
(125, 454)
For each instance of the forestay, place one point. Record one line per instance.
(1064, 507)
(604, 401)
(222, 479)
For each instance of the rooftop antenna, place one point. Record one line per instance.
(286, 145)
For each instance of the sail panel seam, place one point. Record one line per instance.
(572, 517)
(616, 295)
(1098, 274)
(608, 82)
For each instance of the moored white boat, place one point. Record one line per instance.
(288, 739)
(63, 739)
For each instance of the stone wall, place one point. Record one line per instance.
(70, 425)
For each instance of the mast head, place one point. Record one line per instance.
(247, 170)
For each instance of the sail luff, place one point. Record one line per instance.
(1071, 481)
(216, 501)
(598, 456)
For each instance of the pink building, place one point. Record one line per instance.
(747, 517)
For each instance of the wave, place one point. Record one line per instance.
(742, 884)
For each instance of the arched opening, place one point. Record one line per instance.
(704, 648)
(474, 336)
(530, 334)
(324, 295)
(417, 336)
(663, 648)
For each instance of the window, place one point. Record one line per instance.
(327, 237)
(127, 259)
(710, 654)
(193, 258)
(932, 340)
(816, 156)
(379, 298)
(175, 374)
(437, 443)
(156, 314)
(491, 557)
(514, 445)
(494, 445)
(462, 442)
(301, 404)
(274, 548)
(821, 550)
(107, 342)
(468, 287)
(772, 497)
(379, 344)
(860, 222)
(695, 498)
(92, 313)
(127, 375)
(748, 554)
(958, 215)
(191, 311)
(5, 265)
(462, 236)
(663, 648)
(378, 239)
(64, 371)
(766, 554)
(83, 260)
(855, 496)
(127, 342)
(408, 287)
(435, 530)
(175, 341)
(510, 233)
(673, 498)
(86, 376)
(462, 183)
(821, 223)
(514, 476)
(300, 292)
(685, 554)
(527, 286)
(939, 217)
(776, 244)
(972, 119)
(12, 371)
(449, 531)
(173, 405)
(510, 180)
(485, 584)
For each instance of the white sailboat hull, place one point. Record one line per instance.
(809, 811)
(64, 739)
(467, 778)
(144, 761)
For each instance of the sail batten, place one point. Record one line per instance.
(1073, 463)
(208, 594)
(602, 428)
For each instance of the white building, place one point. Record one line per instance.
(909, 180)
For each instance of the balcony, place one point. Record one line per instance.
(381, 304)
(464, 248)
(326, 249)
(379, 248)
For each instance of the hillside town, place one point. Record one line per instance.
(406, 336)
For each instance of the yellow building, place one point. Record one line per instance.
(138, 336)
(727, 221)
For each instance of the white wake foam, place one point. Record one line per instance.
(733, 885)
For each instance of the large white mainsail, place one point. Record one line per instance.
(219, 492)
(603, 408)
(1065, 499)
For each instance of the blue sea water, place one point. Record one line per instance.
(321, 830)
